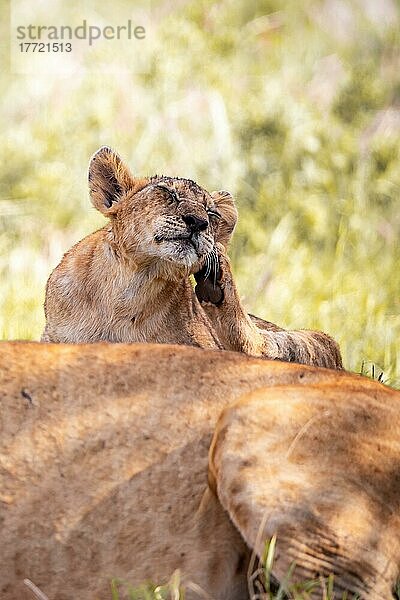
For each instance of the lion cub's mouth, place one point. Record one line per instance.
(178, 238)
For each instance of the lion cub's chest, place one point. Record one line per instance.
(143, 312)
(130, 324)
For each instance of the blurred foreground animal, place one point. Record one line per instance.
(104, 460)
(129, 281)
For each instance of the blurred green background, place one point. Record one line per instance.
(293, 106)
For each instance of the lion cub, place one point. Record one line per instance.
(128, 282)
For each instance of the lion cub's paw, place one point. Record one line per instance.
(212, 277)
(207, 289)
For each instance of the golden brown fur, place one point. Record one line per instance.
(104, 453)
(318, 467)
(128, 282)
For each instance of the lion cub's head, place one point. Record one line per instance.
(166, 219)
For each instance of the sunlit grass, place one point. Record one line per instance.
(295, 114)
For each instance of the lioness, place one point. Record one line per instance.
(104, 459)
(129, 281)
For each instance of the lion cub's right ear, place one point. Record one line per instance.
(109, 178)
(226, 206)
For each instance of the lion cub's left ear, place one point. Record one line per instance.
(109, 178)
(229, 215)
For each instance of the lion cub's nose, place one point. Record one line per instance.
(195, 223)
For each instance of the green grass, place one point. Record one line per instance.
(262, 585)
(147, 591)
(293, 111)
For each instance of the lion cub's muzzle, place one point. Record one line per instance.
(189, 228)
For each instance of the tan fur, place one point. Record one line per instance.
(128, 282)
(317, 466)
(103, 464)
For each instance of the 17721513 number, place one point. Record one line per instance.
(45, 47)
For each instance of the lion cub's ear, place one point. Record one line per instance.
(109, 178)
(229, 215)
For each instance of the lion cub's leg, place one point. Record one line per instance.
(219, 297)
(251, 335)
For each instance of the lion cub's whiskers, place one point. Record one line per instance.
(215, 260)
(212, 265)
(208, 267)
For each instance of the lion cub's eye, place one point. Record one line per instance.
(213, 214)
(172, 195)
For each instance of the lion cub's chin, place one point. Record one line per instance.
(182, 256)
(174, 268)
